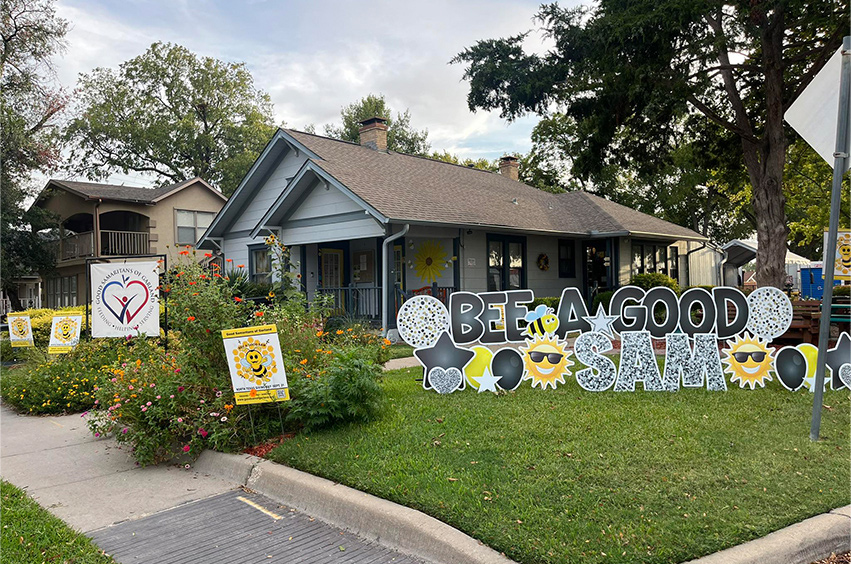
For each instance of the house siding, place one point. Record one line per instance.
(269, 192)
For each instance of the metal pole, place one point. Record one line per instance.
(840, 157)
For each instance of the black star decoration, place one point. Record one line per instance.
(837, 356)
(443, 354)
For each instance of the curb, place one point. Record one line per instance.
(373, 518)
(801, 543)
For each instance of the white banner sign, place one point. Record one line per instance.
(125, 299)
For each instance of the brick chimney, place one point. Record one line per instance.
(373, 133)
(509, 166)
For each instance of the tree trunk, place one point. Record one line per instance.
(771, 226)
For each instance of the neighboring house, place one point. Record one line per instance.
(362, 222)
(107, 221)
(741, 252)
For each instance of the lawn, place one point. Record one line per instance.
(401, 350)
(32, 535)
(568, 475)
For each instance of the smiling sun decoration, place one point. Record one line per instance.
(546, 361)
(749, 361)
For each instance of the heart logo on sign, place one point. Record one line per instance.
(125, 299)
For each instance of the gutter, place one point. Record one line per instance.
(385, 275)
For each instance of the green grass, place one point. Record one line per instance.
(570, 476)
(401, 350)
(32, 535)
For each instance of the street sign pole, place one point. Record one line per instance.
(840, 157)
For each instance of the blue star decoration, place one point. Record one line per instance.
(443, 354)
(601, 322)
(837, 356)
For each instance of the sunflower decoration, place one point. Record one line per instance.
(430, 260)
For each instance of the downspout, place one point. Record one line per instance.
(385, 275)
(96, 234)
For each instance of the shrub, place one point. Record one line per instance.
(348, 391)
(653, 280)
(604, 298)
(62, 383)
(842, 291)
(550, 302)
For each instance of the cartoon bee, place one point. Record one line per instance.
(254, 361)
(542, 321)
(65, 330)
(845, 256)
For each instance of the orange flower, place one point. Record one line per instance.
(349, 329)
(339, 331)
(237, 299)
(215, 266)
(208, 255)
(320, 333)
(240, 266)
(181, 273)
(194, 293)
(217, 275)
(387, 342)
(228, 407)
(303, 361)
(192, 283)
(203, 277)
(258, 314)
(190, 318)
(228, 260)
(183, 253)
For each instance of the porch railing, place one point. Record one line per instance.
(75, 246)
(26, 303)
(124, 243)
(355, 301)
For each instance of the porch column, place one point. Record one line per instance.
(387, 280)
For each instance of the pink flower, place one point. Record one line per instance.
(171, 396)
(97, 434)
(180, 388)
(130, 387)
(203, 433)
(218, 394)
(177, 370)
(97, 402)
(186, 448)
(144, 408)
(124, 431)
(84, 414)
(152, 385)
(159, 397)
(214, 414)
(202, 401)
(115, 379)
(224, 419)
(149, 403)
(180, 419)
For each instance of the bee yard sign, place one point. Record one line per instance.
(256, 364)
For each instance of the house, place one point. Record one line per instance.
(108, 221)
(741, 252)
(369, 226)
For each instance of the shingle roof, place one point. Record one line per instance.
(408, 188)
(98, 191)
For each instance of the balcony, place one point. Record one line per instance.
(112, 243)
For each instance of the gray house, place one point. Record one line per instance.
(370, 226)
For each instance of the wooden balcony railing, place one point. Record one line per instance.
(124, 243)
(112, 243)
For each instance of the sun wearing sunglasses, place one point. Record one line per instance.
(538, 356)
(757, 356)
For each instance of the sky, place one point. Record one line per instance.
(315, 57)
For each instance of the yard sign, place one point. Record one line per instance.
(20, 330)
(64, 333)
(256, 364)
(124, 299)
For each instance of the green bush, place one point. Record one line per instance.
(842, 291)
(653, 280)
(348, 391)
(62, 383)
(604, 298)
(550, 302)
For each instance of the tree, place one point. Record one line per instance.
(481, 164)
(401, 136)
(30, 104)
(171, 114)
(629, 72)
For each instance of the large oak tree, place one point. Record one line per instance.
(173, 115)
(630, 72)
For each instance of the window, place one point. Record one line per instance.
(61, 292)
(506, 263)
(259, 265)
(190, 225)
(566, 259)
(648, 258)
